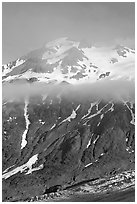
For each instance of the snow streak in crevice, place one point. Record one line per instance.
(96, 139)
(24, 141)
(72, 116)
(89, 110)
(132, 114)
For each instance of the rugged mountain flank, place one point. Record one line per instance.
(57, 135)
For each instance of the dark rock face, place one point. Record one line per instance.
(72, 141)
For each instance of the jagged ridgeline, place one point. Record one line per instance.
(68, 116)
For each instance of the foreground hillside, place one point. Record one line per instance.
(56, 141)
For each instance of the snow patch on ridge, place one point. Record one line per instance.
(22, 168)
(101, 58)
(34, 169)
(8, 168)
(72, 116)
(8, 69)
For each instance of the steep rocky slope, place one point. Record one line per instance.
(65, 142)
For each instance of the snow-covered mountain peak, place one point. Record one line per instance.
(66, 60)
(58, 48)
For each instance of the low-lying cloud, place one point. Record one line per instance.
(104, 89)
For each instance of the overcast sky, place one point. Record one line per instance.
(27, 26)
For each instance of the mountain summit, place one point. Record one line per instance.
(65, 60)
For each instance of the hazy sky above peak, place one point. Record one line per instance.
(27, 26)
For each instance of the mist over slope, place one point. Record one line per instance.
(115, 89)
